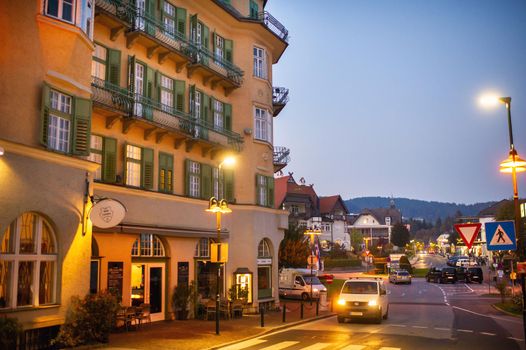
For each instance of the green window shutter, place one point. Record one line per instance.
(191, 97)
(258, 188)
(227, 116)
(270, 192)
(44, 114)
(81, 127)
(206, 181)
(205, 36)
(228, 177)
(131, 74)
(214, 40)
(109, 160)
(113, 73)
(193, 26)
(165, 172)
(147, 168)
(187, 164)
(229, 50)
(150, 16)
(254, 9)
(205, 115)
(151, 91)
(181, 21)
(179, 94)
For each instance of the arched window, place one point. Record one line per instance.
(264, 249)
(147, 245)
(28, 263)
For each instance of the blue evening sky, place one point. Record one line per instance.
(384, 96)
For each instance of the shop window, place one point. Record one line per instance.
(28, 262)
(148, 245)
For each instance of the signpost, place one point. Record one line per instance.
(468, 232)
(500, 235)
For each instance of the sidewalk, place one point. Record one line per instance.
(200, 334)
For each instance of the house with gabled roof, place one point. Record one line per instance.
(376, 224)
(334, 212)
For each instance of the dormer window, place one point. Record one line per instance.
(388, 220)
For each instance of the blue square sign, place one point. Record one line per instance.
(500, 235)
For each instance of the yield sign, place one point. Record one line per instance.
(468, 232)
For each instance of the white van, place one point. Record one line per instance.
(300, 283)
(363, 297)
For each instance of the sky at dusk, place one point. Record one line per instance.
(384, 96)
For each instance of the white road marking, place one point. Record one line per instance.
(422, 327)
(494, 317)
(244, 344)
(442, 329)
(403, 294)
(282, 345)
(398, 325)
(516, 339)
(316, 346)
(465, 330)
(354, 347)
(486, 333)
(389, 348)
(468, 287)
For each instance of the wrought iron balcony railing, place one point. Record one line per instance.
(122, 9)
(274, 25)
(280, 95)
(281, 156)
(133, 105)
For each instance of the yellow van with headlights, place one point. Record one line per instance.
(363, 297)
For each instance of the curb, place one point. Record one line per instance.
(506, 312)
(272, 330)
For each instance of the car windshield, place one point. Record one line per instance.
(449, 270)
(475, 269)
(403, 273)
(311, 280)
(356, 287)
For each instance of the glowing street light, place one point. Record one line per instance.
(315, 231)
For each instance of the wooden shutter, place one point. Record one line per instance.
(165, 169)
(179, 94)
(205, 36)
(227, 116)
(191, 98)
(150, 16)
(44, 114)
(147, 168)
(205, 114)
(228, 176)
(109, 160)
(229, 50)
(181, 21)
(81, 127)
(193, 27)
(214, 38)
(270, 191)
(150, 92)
(113, 73)
(187, 163)
(254, 9)
(131, 74)
(206, 181)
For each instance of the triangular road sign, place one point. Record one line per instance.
(468, 232)
(500, 237)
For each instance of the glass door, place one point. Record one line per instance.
(148, 282)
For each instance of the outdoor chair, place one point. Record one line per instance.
(210, 308)
(237, 309)
(143, 314)
(127, 315)
(224, 310)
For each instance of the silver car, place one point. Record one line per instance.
(399, 276)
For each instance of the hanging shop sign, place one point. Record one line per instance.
(107, 213)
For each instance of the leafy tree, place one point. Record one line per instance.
(356, 239)
(506, 212)
(400, 235)
(294, 248)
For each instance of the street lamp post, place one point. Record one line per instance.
(219, 207)
(514, 164)
(312, 232)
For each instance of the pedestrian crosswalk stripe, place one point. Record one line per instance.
(389, 348)
(244, 344)
(316, 346)
(282, 345)
(353, 347)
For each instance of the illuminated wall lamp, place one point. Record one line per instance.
(2, 151)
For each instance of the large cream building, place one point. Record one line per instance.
(139, 102)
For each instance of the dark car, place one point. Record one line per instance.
(462, 273)
(452, 261)
(474, 274)
(441, 275)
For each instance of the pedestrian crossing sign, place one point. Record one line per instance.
(500, 235)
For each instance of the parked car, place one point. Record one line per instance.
(441, 275)
(461, 272)
(399, 276)
(452, 261)
(363, 297)
(474, 274)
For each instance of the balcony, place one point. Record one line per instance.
(214, 69)
(281, 157)
(116, 15)
(274, 25)
(280, 97)
(158, 120)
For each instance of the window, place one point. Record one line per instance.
(165, 172)
(87, 17)
(264, 249)
(326, 227)
(294, 209)
(28, 263)
(219, 48)
(96, 154)
(263, 125)
(195, 179)
(217, 182)
(147, 245)
(253, 9)
(169, 14)
(388, 220)
(218, 115)
(265, 190)
(61, 9)
(59, 127)
(98, 65)
(202, 249)
(260, 65)
(167, 93)
(133, 166)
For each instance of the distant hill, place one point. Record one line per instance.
(414, 208)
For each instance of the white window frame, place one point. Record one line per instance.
(260, 64)
(96, 147)
(195, 179)
(219, 121)
(148, 245)
(202, 249)
(167, 96)
(220, 49)
(60, 9)
(99, 63)
(263, 192)
(169, 22)
(262, 125)
(36, 257)
(58, 133)
(264, 249)
(217, 182)
(133, 165)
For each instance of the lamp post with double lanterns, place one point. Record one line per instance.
(314, 231)
(219, 254)
(513, 164)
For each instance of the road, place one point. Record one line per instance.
(428, 260)
(421, 316)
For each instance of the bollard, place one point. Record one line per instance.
(284, 312)
(301, 310)
(317, 306)
(262, 313)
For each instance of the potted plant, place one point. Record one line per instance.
(180, 301)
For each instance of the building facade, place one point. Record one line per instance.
(139, 102)
(376, 224)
